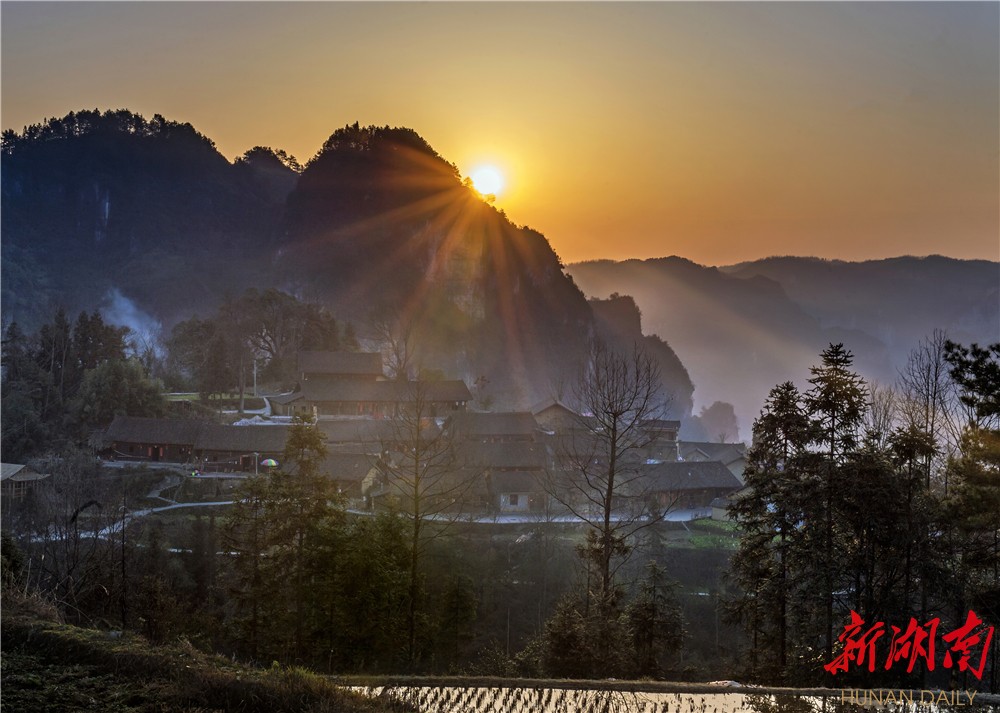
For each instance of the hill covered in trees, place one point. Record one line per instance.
(94, 202)
(109, 210)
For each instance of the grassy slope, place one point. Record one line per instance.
(58, 668)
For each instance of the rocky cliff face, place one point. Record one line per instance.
(619, 321)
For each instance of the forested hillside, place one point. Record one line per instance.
(147, 220)
(94, 202)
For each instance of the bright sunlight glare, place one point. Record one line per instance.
(487, 180)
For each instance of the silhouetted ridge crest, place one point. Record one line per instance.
(86, 123)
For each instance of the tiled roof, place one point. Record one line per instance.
(551, 403)
(356, 430)
(346, 466)
(19, 473)
(341, 363)
(710, 475)
(160, 431)
(515, 481)
(244, 439)
(485, 425)
(199, 435)
(283, 399)
(385, 391)
(458, 484)
(724, 452)
(661, 424)
(376, 431)
(519, 455)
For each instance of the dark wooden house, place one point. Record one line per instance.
(151, 439)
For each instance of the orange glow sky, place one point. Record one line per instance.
(715, 131)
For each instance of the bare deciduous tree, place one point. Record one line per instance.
(601, 479)
(394, 335)
(927, 396)
(424, 477)
(881, 416)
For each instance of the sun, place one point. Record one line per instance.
(487, 180)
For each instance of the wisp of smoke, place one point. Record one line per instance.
(123, 312)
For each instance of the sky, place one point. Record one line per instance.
(720, 132)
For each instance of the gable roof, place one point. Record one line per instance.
(551, 404)
(514, 481)
(376, 431)
(723, 452)
(244, 439)
(284, 399)
(660, 424)
(163, 431)
(200, 435)
(356, 430)
(348, 391)
(17, 473)
(346, 466)
(522, 455)
(340, 363)
(710, 475)
(484, 425)
(460, 484)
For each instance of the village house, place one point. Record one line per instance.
(504, 462)
(373, 399)
(358, 435)
(688, 486)
(316, 367)
(238, 448)
(501, 427)
(151, 439)
(732, 455)
(348, 471)
(339, 366)
(662, 439)
(555, 417)
(17, 481)
(201, 444)
(514, 472)
(351, 384)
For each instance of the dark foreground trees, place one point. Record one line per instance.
(66, 379)
(310, 583)
(843, 513)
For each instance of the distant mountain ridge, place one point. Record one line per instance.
(741, 329)
(892, 299)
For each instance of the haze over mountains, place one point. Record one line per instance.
(742, 329)
(147, 220)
